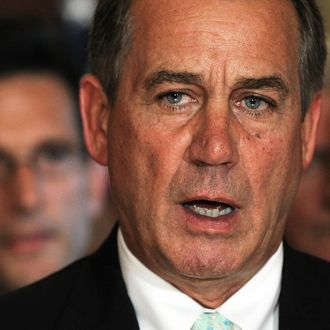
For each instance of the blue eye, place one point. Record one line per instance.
(253, 102)
(174, 98)
(256, 105)
(176, 101)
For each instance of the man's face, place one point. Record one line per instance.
(44, 209)
(205, 147)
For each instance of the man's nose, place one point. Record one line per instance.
(25, 190)
(214, 139)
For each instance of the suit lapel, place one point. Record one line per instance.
(99, 299)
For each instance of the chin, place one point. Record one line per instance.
(206, 265)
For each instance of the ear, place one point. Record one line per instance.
(94, 108)
(309, 129)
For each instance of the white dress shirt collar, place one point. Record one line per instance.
(160, 306)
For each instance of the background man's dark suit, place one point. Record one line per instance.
(92, 295)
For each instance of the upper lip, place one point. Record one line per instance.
(219, 199)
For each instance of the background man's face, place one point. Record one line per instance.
(44, 209)
(309, 221)
(205, 148)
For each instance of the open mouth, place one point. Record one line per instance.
(210, 209)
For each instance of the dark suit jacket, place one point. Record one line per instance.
(91, 295)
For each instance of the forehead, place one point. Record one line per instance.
(34, 108)
(220, 34)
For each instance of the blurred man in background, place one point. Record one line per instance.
(50, 190)
(308, 227)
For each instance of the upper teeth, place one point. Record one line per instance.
(212, 213)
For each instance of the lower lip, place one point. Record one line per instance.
(224, 225)
(28, 244)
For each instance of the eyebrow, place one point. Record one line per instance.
(160, 77)
(184, 77)
(44, 146)
(273, 82)
(58, 143)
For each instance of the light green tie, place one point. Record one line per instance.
(214, 321)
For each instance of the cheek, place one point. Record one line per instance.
(273, 167)
(143, 157)
(68, 195)
(70, 214)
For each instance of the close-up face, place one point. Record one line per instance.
(205, 137)
(310, 214)
(44, 209)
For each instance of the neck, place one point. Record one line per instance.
(210, 292)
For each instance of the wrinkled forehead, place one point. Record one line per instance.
(279, 14)
(170, 23)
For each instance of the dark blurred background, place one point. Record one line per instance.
(76, 10)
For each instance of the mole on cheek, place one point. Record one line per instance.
(257, 135)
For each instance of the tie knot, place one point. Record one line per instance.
(214, 321)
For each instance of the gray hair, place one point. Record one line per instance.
(111, 38)
(312, 50)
